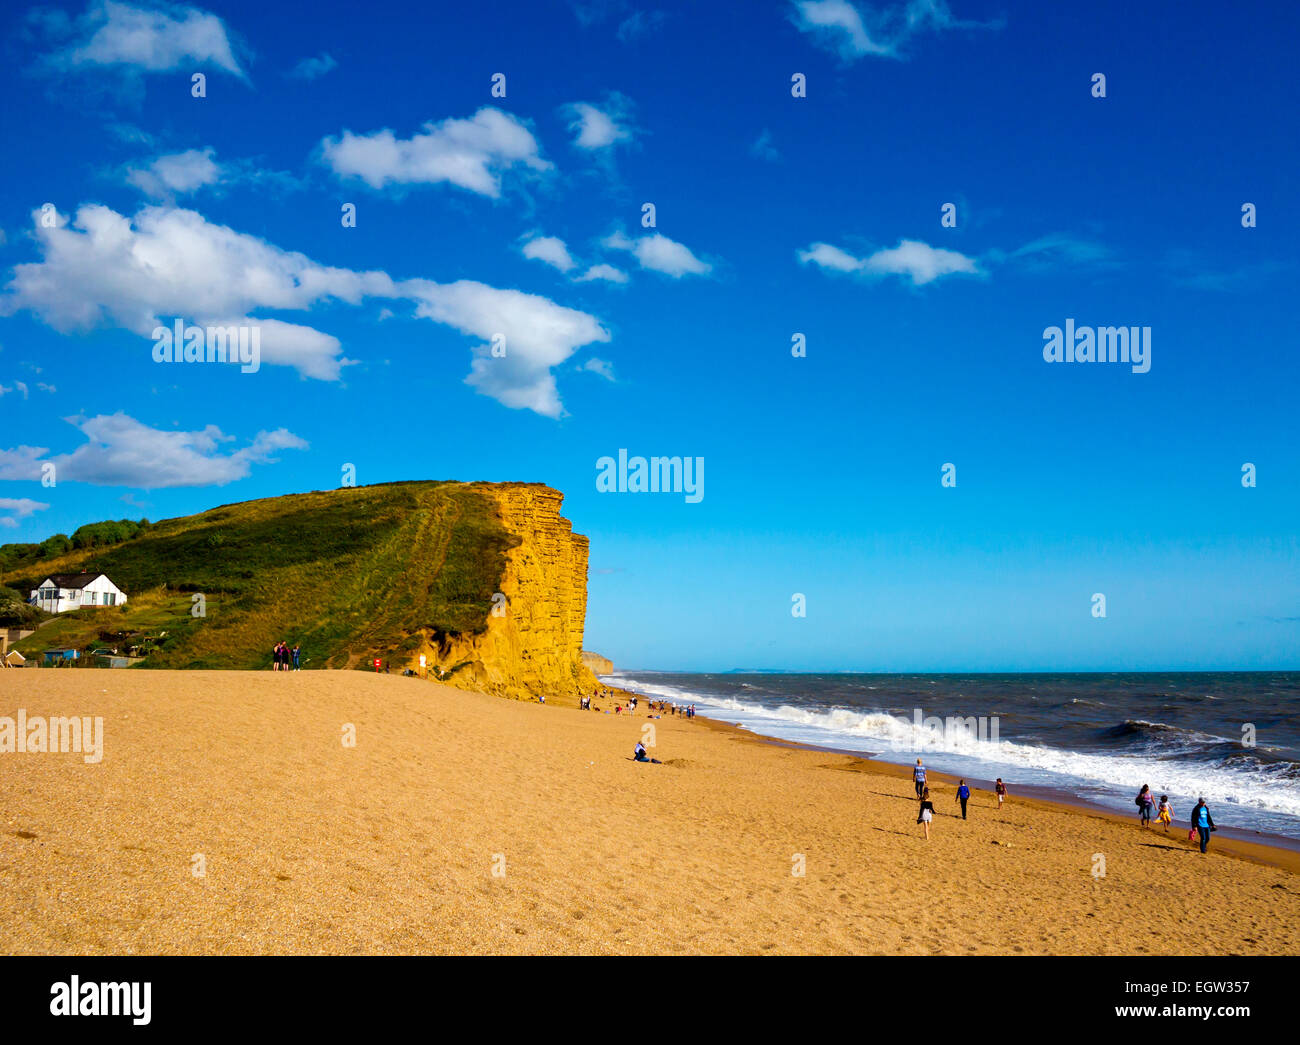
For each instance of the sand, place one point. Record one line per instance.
(390, 847)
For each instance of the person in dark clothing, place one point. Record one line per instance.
(927, 812)
(963, 796)
(1203, 822)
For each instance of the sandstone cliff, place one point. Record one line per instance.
(533, 642)
(597, 664)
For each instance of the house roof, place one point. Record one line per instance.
(75, 581)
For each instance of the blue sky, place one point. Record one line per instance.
(522, 215)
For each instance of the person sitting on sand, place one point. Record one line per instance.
(1000, 789)
(963, 796)
(641, 755)
(1202, 822)
(927, 812)
(1166, 812)
(918, 778)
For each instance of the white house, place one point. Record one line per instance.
(61, 592)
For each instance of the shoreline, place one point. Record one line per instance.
(1271, 850)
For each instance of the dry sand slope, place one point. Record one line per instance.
(390, 846)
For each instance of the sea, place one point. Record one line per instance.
(1232, 737)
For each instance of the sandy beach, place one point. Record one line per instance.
(463, 823)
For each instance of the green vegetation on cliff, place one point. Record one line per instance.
(350, 574)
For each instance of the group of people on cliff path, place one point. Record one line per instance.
(285, 659)
(1200, 823)
(926, 813)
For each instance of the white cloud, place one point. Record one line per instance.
(313, 68)
(599, 127)
(153, 39)
(121, 451)
(18, 386)
(21, 463)
(838, 24)
(176, 174)
(600, 366)
(16, 508)
(538, 335)
(826, 256)
(658, 253)
(469, 153)
(911, 258)
(550, 249)
(1059, 247)
(104, 269)
(854, 31)
(608, 273)
(555, 252)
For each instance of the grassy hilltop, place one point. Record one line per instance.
(350, 574)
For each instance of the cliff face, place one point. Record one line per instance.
(597, 664)
(533, 642)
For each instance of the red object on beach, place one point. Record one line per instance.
(377, 663)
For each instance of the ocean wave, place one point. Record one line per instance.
(1231, 775)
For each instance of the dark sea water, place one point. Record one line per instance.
(1099, 737)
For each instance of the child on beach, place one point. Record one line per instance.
(1001, 790)
(1166, 813)
(927, 812)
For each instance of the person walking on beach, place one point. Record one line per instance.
(1000, 789)
(927, 811)
(1146, 804)
(918, 778)
(1203, 822)
(297, 657)
(963, 796)
(1165, 813)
